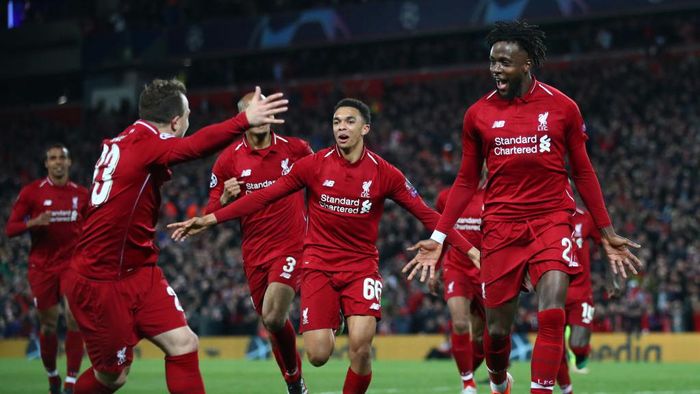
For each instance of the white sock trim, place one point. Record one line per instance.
(71, 379)
(467, 376)
(52, 373)
(534, 385)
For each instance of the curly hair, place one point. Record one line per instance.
(529, 37)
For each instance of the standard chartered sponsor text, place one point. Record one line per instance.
(524, 145)
(344, 204)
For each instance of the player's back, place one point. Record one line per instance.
(525, 142)
(118, 235)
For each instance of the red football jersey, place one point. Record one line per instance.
(258, 169)
(346, 201)
(584, 231)
(52, 245)
(118, 235)
(469, 226)
(525, 142)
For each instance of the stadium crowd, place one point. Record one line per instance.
(644, 128)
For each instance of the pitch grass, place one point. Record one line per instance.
(228, 376)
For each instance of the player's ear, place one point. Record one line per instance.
(527, 66)
(365, 129)
(174, 123)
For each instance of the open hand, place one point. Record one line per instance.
(191, 227)
(262, 111)
(619, 255)
(425, 260)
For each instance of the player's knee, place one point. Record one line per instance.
(191, 343)
(274, 321)
(112, 381)
(496, 331)
(318, 358)
(361, 354)
(48, 327)
(460, 326)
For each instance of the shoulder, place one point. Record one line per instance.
(294, 144)
(79, 188)
(548, 91)
(32, 187)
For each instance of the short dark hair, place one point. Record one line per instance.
(529, 37)
(358, 105)
(55, 145)
(160, 100)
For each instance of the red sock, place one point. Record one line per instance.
(88, 384)
(49, 349)
(547, 353)
(477, 354)
(284, 347)
(74, 355)
(182, 374)
(461, 351)
(563, 378)
(497, 352)
(356, 384)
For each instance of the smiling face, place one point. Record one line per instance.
(509, 66)
(349, 128)
(57, 163)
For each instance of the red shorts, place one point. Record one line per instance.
(282, 269)
(325, 294)
(47, 286)
(580, 313)
(460, 284)
(509, 250)
(114, 315)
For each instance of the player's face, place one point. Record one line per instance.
(349, 127)
(57, 162)
(180, 124)
(508, 65)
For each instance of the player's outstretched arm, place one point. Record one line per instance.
(182, 230)
(260, 111)
(620, 257)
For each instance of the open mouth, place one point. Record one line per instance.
(501, 84)
(343, 138)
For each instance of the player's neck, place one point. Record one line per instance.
(58, 181)
(526, 85)
(352, 154)
(259, 141)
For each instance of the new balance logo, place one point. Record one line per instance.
(542, 118)
(545, 142)
(375, 306)
(498, 124)
(48, 203)
(246, 172)
(328, 183)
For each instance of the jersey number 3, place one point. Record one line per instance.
(102, 177)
